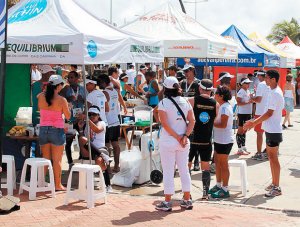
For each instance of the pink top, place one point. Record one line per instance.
(51, 118)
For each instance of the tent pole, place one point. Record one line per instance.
(236, 72)
(87, 120)
(206, 64)
(2, 90)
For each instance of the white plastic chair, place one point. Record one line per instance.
(243, 175)
(37, 177)
(85, 189)
(11, 174)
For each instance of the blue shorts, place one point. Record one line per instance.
(52, 135)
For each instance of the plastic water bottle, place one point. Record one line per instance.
(32, 152)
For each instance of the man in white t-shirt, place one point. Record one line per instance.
(97, 98)
(131, 75)
(244, 103)
(35, 74)
(261, 98)
(140, 78)
(271, 120)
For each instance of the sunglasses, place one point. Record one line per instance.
(92, 114)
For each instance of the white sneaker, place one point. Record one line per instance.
(245, 150)
(109, 189)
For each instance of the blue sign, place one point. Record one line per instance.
(27, 11)
(2, 22)
(92, 49)
(204, 117)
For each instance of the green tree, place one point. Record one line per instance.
(285, 28)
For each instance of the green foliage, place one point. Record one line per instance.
(285, 28)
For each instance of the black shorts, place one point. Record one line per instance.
(203, 150)
(223, 148)
(243, 118)
(273, 139)
(112, 134)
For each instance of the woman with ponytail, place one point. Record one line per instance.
(52, 135)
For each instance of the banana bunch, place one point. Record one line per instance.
(17, 131)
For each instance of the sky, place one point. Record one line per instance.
(217, 15)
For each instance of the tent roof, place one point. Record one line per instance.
(289, 47)
(264, 43)
(245, 45)
(83, 37)
(169, 24)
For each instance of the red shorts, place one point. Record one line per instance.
(258, 128)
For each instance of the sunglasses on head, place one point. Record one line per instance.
(92, 114)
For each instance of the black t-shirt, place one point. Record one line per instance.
(190, 90)
(205, 114)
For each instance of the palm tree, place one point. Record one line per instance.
(12, 3)
(182, 6)
(285, 28)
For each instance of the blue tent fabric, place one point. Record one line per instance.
(250, 54)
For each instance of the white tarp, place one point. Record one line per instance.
(289, 47)
(61, 32)
(182, 35)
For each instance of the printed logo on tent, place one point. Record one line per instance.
(204, 117)
(28, 11)
(92, 49)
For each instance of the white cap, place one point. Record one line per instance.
(90, 81)
(186, 67)
(94, 110)
(246, 81)
(56, 79)
(45, 69)
(170, 81)
(226, 75)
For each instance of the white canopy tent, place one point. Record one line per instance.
(61, 32)
(181, 34)
(289, 47)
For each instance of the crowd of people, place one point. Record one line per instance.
(196, 121)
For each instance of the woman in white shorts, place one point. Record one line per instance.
(177, 120)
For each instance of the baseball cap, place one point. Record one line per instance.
(223, 75)
(173, 67)
(206, 84)
(188, 67)
(123, 76)
(90, 80)
(45, 69)
(143, 67)
(56, 79)
(170, 82)
(94, 110)
(245, 81)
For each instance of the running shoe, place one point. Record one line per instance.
(245, 150)
(205, 196)
(106, 158)
(214, 189)
(109, 189)
(242, 152)
(257, 156)
(269, 188)
(290, 125)
(164, 206)
(264, 154)
(276, 191)
(284, 127)
(186, 204)
(221, 194)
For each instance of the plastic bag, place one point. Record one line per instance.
(130, 161)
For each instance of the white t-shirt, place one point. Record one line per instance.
(175, 120)
(97, 139)
(245, 96)
(262, 91)
(35, 75)
(224, 135)
(113, 115)
(131, 76)
(97, 98)
(275, 102)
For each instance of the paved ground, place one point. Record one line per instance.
(126, 210)
(134, 206)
